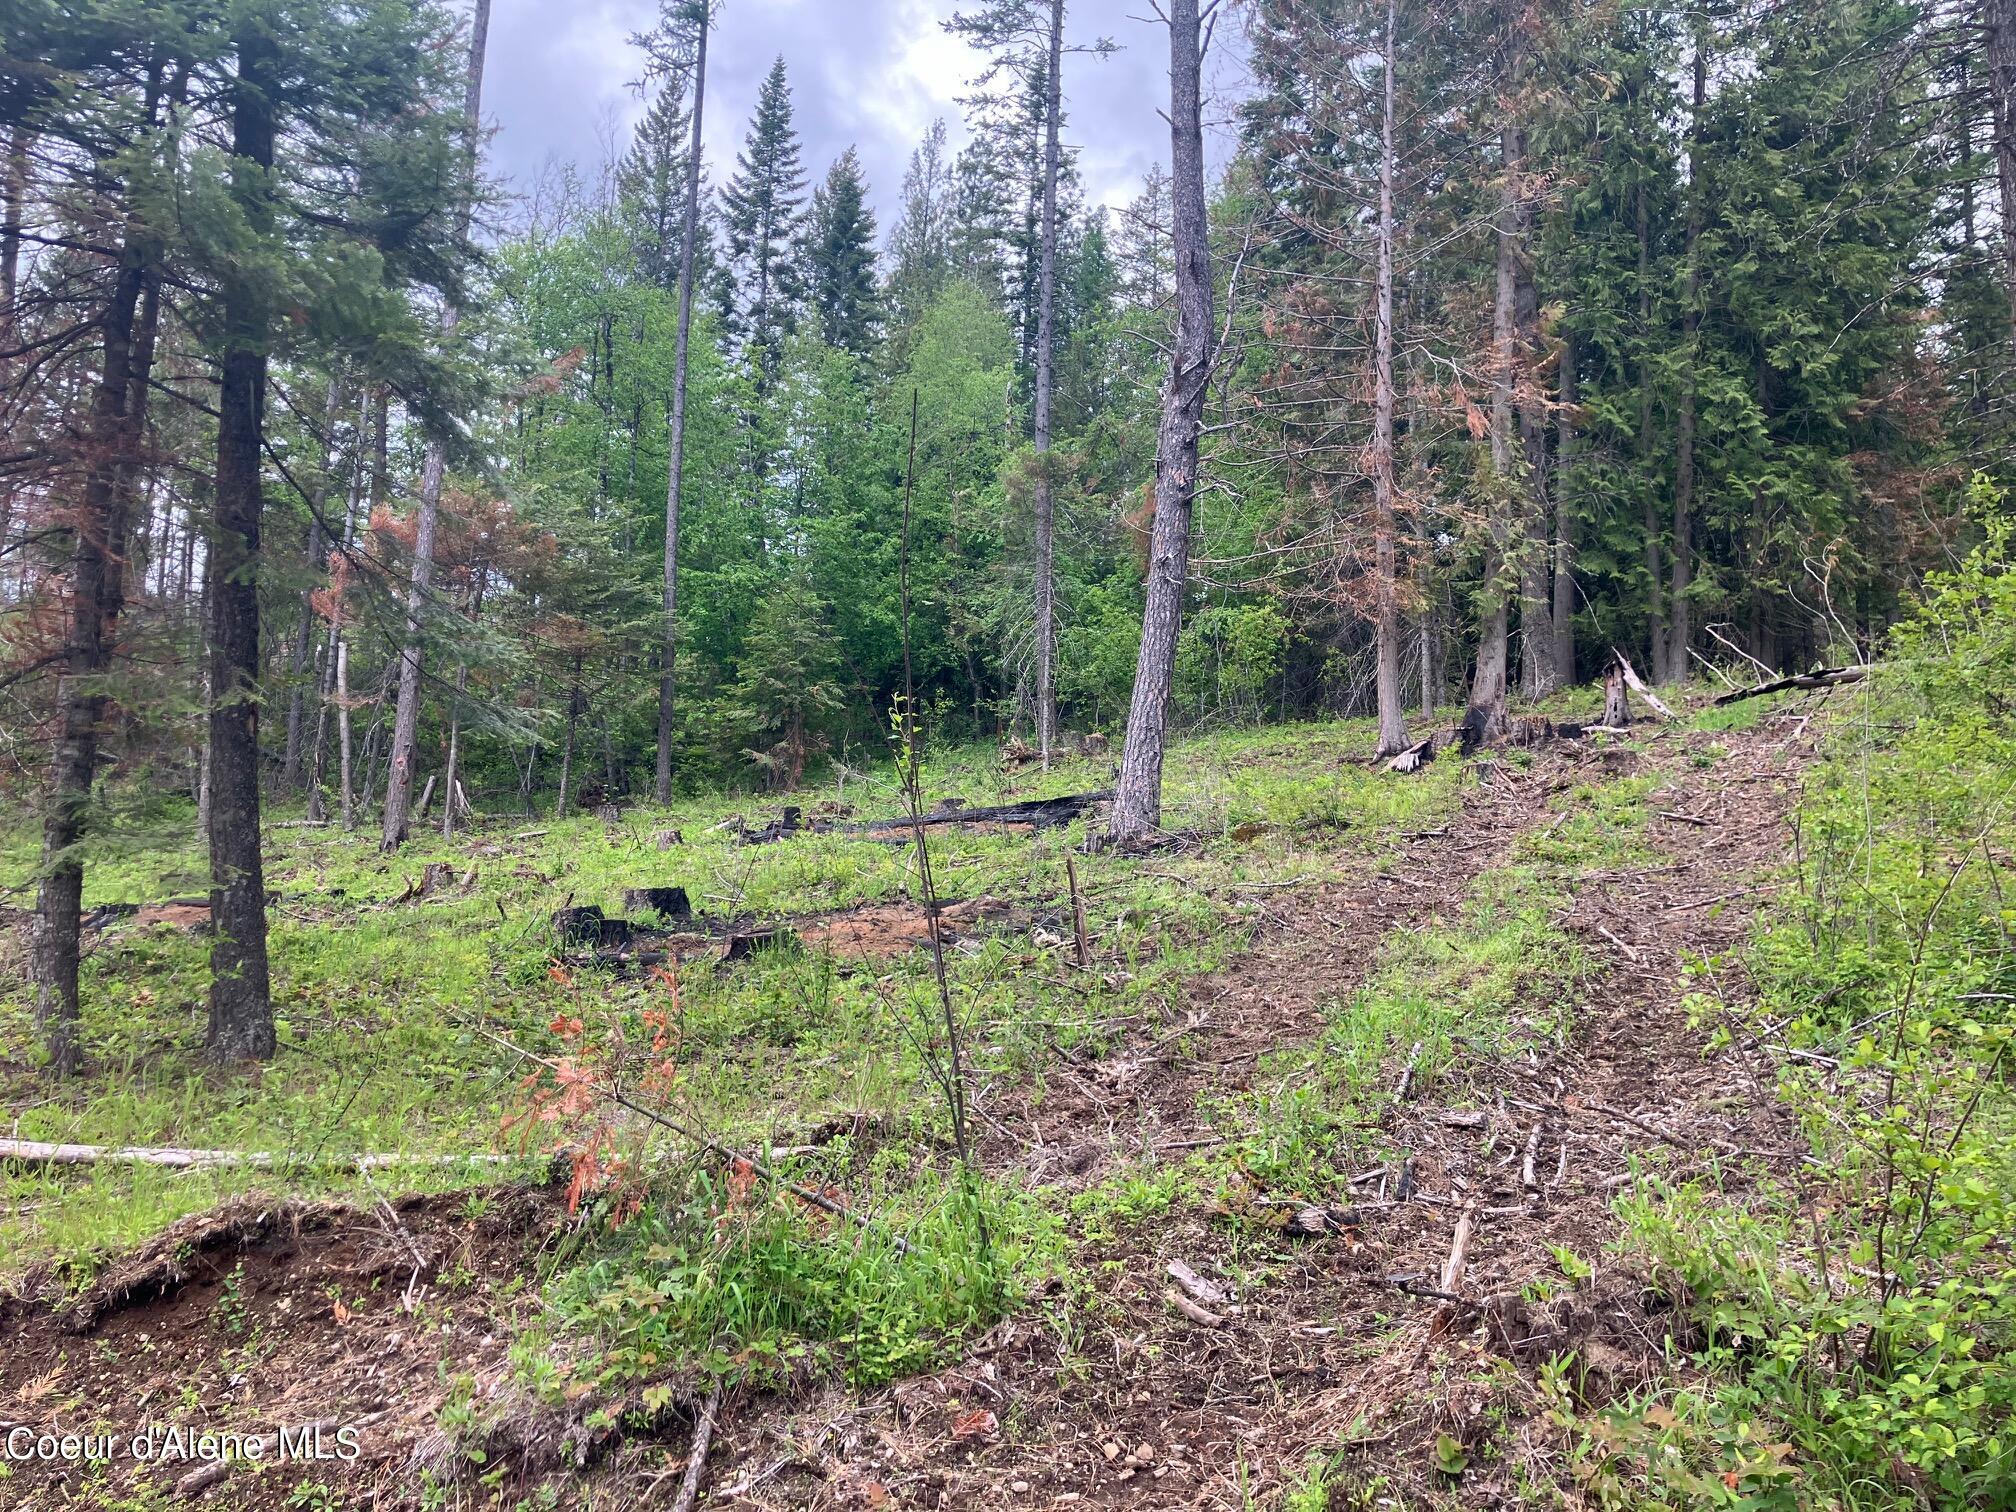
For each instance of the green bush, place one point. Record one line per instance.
(1873, 1308)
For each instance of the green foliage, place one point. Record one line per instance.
(1228, 659)
(732, 1280)
(1891, 953)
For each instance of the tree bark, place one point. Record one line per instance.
(1538, 676)
(406, 721)
(1137, 801)
(2000, 18)
(1566, 442)
(1046, 502)
(1484, 719)
(241, 1008)
(318, 562)
(98, 545)
(661, 789)
(1392, 719)
(1680, 634)
(1654, 573)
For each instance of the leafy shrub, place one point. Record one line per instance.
(1874, 1311)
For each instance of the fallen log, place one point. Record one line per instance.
(36, 1152)
(1819, 677)
(1037, 813)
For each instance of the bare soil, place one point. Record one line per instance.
(285, 1313)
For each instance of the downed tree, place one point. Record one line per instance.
(1037, 813)
(1637, 685)
(1819, 677)
(35, 1152)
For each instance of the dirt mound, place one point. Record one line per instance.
(262, 1315)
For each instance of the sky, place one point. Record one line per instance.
(868, 73)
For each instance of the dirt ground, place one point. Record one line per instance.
(288, 1313)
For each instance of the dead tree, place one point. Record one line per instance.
(406, 720)
(1137, 803)
(1392, 719)
(669, 631)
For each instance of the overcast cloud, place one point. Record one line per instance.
(870, 73)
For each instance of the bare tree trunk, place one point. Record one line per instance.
(1484, 719)
(2000, 23)
(1392, 719)
(449, 785)
(567, 750)
(96, 597)
(406, 722)
(1046, 501)
(241, 1007)
(1655, 586)
(1137, 799)
(346, 767)
(318, 561)
(661, 788)
(1564, 516)
(1538, 676)
(1680, 631)
(16, 193)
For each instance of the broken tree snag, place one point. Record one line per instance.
(1819, 677)
(666, 902)
(1616, 702)
(1037, 813)
(586, 926)
(1637, 685)
(739, 947)
(1414, 757)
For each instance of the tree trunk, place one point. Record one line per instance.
(1046, 502)
(1484, 719)
(406, 722)
(1137, 800)
(1680, 635)
(2000, 17)
(1536, 576)
(97, 594)
(1566, 442)
(1655, 588)
(241, 1008)
(1392, 719)
(450, 785)
(567, 750)
(661, 788)
(318, 561)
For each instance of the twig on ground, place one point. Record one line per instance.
(696, 1461)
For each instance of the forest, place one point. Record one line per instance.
(1438, 670)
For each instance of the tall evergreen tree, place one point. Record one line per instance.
(920, 243)
(761, 210)
(840, 259)
(651, 181)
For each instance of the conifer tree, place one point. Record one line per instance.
(651, 181)
(761, 210)
(920, 244)
(839, 258)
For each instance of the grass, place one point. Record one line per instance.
(382, 1005)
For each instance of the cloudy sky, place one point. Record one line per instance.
(871, 73)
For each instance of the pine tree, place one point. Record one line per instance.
(651, 182)
(920, 245)
(839, 256)
(760, 208)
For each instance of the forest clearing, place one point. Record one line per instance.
(1302, 802)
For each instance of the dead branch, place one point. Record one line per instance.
(1819, 677)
